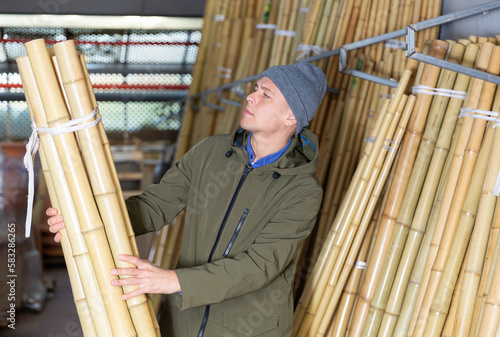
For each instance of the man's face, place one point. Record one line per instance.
(267, 110)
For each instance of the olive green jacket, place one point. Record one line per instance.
(242, 230)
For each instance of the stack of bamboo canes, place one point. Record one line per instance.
(428, 265)
(83, 186)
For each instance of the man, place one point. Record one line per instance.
(251, 199)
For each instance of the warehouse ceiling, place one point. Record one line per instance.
(184, 8)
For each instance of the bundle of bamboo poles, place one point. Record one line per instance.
(83, 186)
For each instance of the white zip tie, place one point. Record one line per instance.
(423, 89)
(360, 265)
(307, 49)
(265, 26)
(226, 72)
(219, 17)
(371, 113)
(387, 96)
(496, 190)
(370, 139)
(304, 9)
(32, 148)
(480, 114)
(288, 33)
(395, 44)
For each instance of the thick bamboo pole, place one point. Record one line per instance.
(479, 239)
(422, 212)
(90, 221)
(406, 212)
(100, 177)
(449, 274)
(405, 165)
(469, 161)
(110, 161)
(360, 223)
(79, 252)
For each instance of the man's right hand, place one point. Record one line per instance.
(55, 223)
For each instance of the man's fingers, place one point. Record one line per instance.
(51, 211)
(56, 227)
(126, 271)
(132, 259)
(54, 220)
(57, 237)
(136, 292)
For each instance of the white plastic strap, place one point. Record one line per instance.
(360, 265)
(496, 190)
(288, 33)
(371, 113)
(370, 140)
(387, 96)
(307, 49)
(265, 26)
(423, 89)
(219, 17)
(226, 72)
(238, 90)
(479, 114)
(32, 148)
(304, 9)
(395, 44)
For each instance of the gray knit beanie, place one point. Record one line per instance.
(303, 85)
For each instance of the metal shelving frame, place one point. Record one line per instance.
(409, 32)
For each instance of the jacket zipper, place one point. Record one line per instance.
(244, 175)
(236, 232)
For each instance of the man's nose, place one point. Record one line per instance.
(251, 98)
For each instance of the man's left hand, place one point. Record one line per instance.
(148, 277)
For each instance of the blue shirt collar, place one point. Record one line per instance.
(269, 159)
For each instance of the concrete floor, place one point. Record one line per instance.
(59, 317)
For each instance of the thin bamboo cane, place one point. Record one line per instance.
(450, 320)
(488, 320)
(183, 139)
(488, 268)
(408, 152)
(469, 160)
(425, 201)
(406, 212)
(360, 223)
(288, 41)
(343, 314)
(347, 214)
(282, 24)
(71, 234)
(110, 161)
(298, 30)
(100, 177)
(442, 299)
(265, 54)
(90, 221)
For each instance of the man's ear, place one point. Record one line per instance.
(290, 120)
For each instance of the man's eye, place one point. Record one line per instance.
(266, 96)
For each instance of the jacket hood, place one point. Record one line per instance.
(300, 158)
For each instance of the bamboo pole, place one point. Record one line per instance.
(478, 243)
(289, 40)
(490, 313)
(398, 189)
(450, 320)
(406, 212)
(360, 223)
(469, 160)
(90, 221)
(488, 269)
(422, 212)
(110, 161)
(71, 234)
(100, 177)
